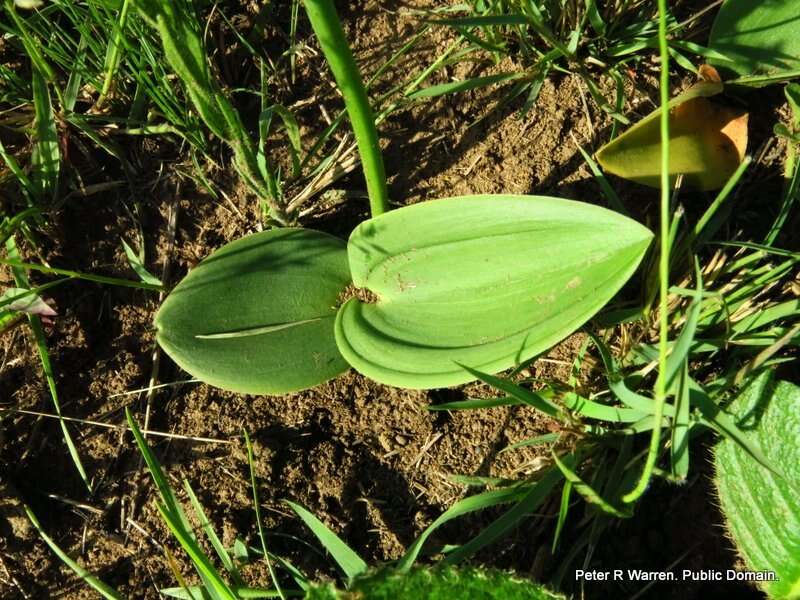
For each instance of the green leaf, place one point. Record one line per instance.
(46, 156)
(464, 85)
(257, 315)
(440, 583)
(350, 562)
(588, 492)
(707, 142)
(762, 510)
(536, 495)
(137, 264)
(759, 38)
(483, 281)
(176, 520)
(464, 506)
(101, 588)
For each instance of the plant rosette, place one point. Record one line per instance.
(482, 281)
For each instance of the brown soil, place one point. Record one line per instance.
(368, 460)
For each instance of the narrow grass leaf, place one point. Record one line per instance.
(588, 492)
(194, 592)
(176, 520)
(251, 463)
(462, 507)
(594, 410)
(683, 344)
(205, 524)
(351, 563)
(539, 440)
(475, 403)
(613, 199)
(137, 265)
(512, 389)
(101, 588)
(537, 493)
(679, 446)
(464, 85)
(75, 274)
(35, 321)
(483, 21)
(725, 425)
(563, 510)
(46, 156)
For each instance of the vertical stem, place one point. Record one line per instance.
(328, 30)
(663, 265)
(115, 43)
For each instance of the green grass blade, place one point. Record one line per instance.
(464, 85)
(257, 508)
(101, 588)
(563, 510)
(176, 520)
(725, 425)
(44, 355)
(535, 496)
(525, 396)
(351, 563)
(683, 344)
(137, 265)
(85, 276)
(594, 410)
(114, 52)
(475, 403)
(545, 438)
(462, 507)
(205, 524)
(679, 446)
(588, 492)
(613, 199)
(46, 156)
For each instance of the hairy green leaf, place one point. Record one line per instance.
(257, 315)
(484, 281)
(762, 509)
(441, 583)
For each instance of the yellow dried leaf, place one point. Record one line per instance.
(707, 142)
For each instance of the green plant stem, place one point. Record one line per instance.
(116, 52)
(663, 265)
(328, 30)
(721, 197)
(790, 193)
(84, 276)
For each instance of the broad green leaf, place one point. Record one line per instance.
(707, 142)
(481, 281)
(761, 40)
(257, 315)
(439, 583)
(762, 509)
